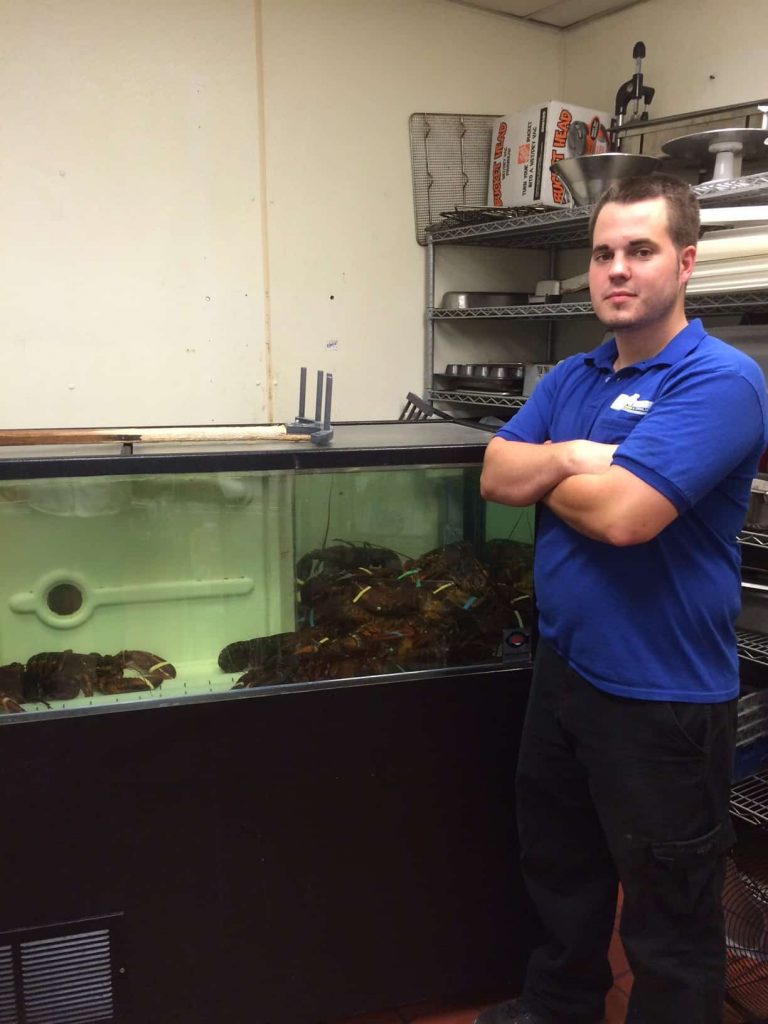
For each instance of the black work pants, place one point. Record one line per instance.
(611, 789)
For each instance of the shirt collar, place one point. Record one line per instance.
(683, 343)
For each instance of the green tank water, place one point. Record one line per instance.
(353, 572)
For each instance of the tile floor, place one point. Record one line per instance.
(615, 1006)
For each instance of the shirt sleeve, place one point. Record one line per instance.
(695, 435)
(532, 423)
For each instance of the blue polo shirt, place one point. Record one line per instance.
(654, 620)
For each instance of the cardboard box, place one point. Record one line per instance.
(526, 143)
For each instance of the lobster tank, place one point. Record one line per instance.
(326, 572)
(261, 707)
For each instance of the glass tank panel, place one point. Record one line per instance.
(124, 589)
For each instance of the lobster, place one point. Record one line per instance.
(64, 675)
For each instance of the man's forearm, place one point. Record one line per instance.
(615, 507)
(517, 473)
(584, 503)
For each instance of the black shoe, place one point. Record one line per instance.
(517, 1011)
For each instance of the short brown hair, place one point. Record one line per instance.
(683, 219)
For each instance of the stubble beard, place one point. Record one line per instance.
(638, 319)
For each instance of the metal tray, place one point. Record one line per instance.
(482, 300)
(463, 382)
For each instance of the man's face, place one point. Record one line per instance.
(636, 274)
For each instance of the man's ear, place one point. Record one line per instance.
(687, 262)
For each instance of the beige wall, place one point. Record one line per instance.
(699, 54)
(341, 79)
(158, 247)
(131, 261)
(184, 184)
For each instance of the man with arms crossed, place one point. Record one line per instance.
(642, 453)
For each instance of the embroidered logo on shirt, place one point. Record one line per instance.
(632, 403)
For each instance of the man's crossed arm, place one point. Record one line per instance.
(577, 481)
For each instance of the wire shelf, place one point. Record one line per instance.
(753, 646)
(726, 302)
(478, 398)
(753, 538)
(749, 798)
(532, 311)
(720, 302)
(751, 188)
(532, 229)
(752, 718)
(541, 228)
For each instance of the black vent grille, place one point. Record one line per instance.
(59, 975)
(67, 980)
(8, 1014)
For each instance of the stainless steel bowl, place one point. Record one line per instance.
(587, 177)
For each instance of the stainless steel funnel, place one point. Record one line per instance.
(587, 177)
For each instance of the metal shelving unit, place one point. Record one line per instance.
(568, 229)
(563, 229)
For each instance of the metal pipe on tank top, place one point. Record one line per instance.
(302, 391)
(319, 397)
(328, 394)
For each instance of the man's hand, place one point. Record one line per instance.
(590, 456)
